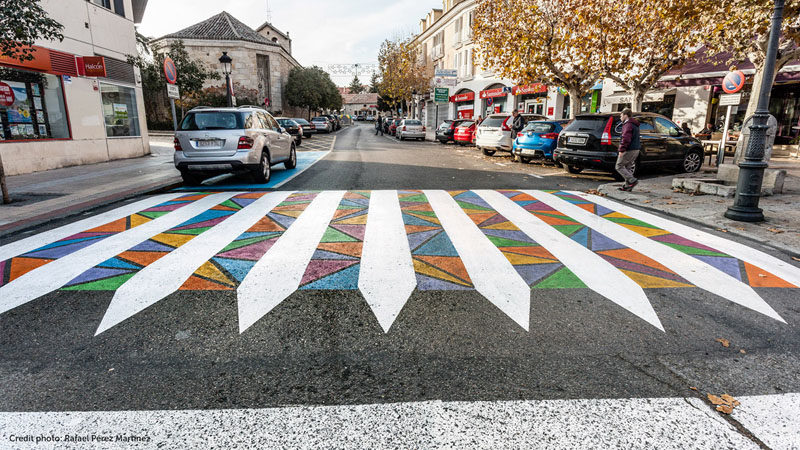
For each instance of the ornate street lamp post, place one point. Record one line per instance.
(226, 60)
(751, 169)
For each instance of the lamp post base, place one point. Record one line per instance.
(745, 214)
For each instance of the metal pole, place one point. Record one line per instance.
(174, 117)
(228, 89)
(751, 169)
(721, 148)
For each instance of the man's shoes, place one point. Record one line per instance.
(627, 187)
(633, 185)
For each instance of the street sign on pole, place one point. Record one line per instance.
(171, 74)
(173, 92)
(441, 95)
(729, 100)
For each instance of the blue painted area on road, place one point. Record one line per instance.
(280, 175)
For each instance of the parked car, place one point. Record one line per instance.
(335, 122)
(591, 141)
(360, 117)
(411, 129)
(465, 132)
(292, 128)
(308, 127)
(393, 126)
(211, 141)
(387, 121)
(323, 124)
(537, 140)
(444, 133)
(494, 133)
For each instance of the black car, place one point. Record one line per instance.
(591, 141)
(337, 124)
(292, 128)
(308, 127)
(444, 133)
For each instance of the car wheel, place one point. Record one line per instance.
(524, 160)
(488, 152)
(190, 179)
(264, 171)
(291, 163)
(574, 169)
(692, 162)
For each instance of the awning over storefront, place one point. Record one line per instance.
(464, 97)
(535, 88)
(626, 97)
(706, 70)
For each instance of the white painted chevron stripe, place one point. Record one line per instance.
(28, 244)
(166, 275)
(491, 273)
(386, 278)
(279, 272)
(697, 272)
(52, 276)
(596, 273)
(750, 255)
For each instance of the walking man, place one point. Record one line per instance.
(517, 124)
(379, 125)
(629, 147)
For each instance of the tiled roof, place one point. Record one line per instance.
(222, 27)
(360, 98)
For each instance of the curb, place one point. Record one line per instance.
(70, 211)
(792, 252)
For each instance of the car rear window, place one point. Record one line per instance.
(301, 121)
(286, 122)
(588, 123)
(319, 119)
(540, 127)
(445, 124)
(213, 120)
(494, 121)
(466, 124)
(413, 122)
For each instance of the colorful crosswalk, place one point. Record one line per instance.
(508, 245)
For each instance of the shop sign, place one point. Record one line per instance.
(730, 99)
(491, 93)
(535, 88)
(441, 95)
(445, 77)
(40, 61)
(6, 95)
(466, 97)
(92, 66)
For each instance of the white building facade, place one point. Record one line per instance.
(78, 101)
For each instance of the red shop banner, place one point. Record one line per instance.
(91, 66)
(466, 97)
(536, 88)
(492, 93)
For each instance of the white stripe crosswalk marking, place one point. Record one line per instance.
(279, 272)
(595, 272)
(28, 244)
(491, 273)
(691, 269)
(52, 276)
(166, 275)
(750, 255)
(386, 278)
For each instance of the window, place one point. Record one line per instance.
(212, 120)
(31, 106)
(458, 30)
(103, 3)
(119, 5)
(470, 22)
(269, 121)
(646, 125)
(664, 126)
(119, 110)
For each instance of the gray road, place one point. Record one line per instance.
(325, 347)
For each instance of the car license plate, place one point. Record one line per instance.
(576, 140)
(207, 143)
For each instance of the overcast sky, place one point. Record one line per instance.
(323, 32)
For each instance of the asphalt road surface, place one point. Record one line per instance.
(394, 294)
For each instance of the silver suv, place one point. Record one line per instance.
(220, 140)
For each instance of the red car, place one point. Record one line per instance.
(465, 133)
(393, 126)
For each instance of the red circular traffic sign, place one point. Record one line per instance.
(6, 95)
(170, 72)
(733, 82)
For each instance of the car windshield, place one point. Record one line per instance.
(212, 120)
(540, 127)
(494, 121)
(413, 122)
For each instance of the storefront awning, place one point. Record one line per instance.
(651, 96)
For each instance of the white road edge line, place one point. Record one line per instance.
(750, 255)
(52, 276)
(28, 244)
(699, 273)
(598, 274)
(278, 273)
(167, 274)
(386, 278)
(490, 271)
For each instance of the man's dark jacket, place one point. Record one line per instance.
(630, 136)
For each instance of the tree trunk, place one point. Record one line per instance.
(3, 187)
(637, 98)
(574, 102)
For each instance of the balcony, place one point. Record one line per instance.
(437, 52)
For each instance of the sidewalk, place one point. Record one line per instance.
(781, 229)
(44, 196)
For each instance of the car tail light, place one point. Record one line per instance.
(245, 143)
(423, 128)
(505, 124)
(404, 128)
(552, 136)
(177, 144)
(300, 130)
(520, 134)
(605, 139)
(453, 126)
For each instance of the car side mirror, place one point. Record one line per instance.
(281, 130)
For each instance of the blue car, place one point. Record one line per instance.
(537, 140)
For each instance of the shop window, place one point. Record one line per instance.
(119, 110)
(31, 106)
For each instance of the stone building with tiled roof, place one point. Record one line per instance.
(365, 104)
(261, 59)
